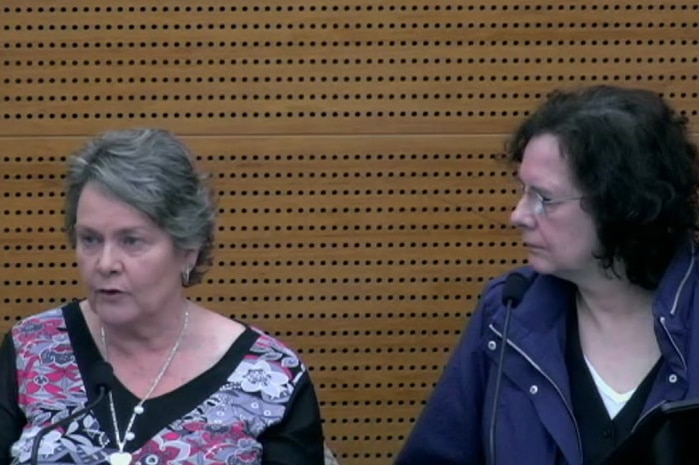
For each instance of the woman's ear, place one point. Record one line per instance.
(190, 258)
(190, 261)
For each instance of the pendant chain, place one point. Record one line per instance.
(138, 409)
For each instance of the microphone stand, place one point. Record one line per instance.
(516, 286)
(498, 382)
(64, 421)
(102, 374)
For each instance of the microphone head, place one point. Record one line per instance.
(516, 286)
(102, 375)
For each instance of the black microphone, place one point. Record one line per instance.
(516, 286)
(101, 374)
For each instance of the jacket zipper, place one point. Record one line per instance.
(558, 389)
(661, 320)
(684, 365)
(674, 345)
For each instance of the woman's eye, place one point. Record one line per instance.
(132, 241)
(87, 239)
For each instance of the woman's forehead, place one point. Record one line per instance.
(543, 164)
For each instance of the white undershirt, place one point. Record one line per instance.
(613, 400)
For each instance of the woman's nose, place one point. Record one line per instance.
(521, 216)
(108, 260)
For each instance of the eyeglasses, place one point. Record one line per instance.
(538, 203)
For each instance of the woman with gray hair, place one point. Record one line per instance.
(189, 385)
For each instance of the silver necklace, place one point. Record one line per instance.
(121, 457)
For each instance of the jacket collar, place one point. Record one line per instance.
(674, 294)
(538, 325)
(549, 298)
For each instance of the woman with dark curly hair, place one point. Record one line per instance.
(602, 335)
(190, 385)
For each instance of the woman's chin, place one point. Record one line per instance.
(540, 264)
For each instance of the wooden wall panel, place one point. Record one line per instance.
(355, 149)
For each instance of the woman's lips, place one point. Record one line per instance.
(110, 292)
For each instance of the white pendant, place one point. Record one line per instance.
(120, 458)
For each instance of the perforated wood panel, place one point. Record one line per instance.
(354, 147)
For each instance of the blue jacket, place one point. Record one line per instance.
(536, 425)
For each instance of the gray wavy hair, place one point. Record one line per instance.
(152, 171)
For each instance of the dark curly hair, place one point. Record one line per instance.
(636, 165)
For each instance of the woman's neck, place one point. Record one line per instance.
(155, 334)
(610, 302)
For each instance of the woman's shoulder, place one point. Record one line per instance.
(46, 321)
(268, 346)
(516, 281)
(230, 330)
(269, 366)
(266, 353)
(253, 361)
(218, 329)
(241, 343)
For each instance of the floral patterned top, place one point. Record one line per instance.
(255, 406)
